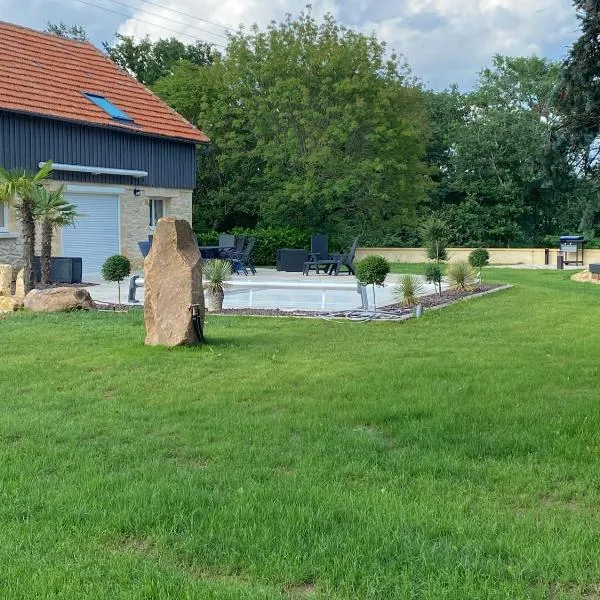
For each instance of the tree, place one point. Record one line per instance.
(500, 182)
(72, 32)
(578, 101)
(53, 211)
(148, 61)
(22, 188)
(116, 268)
(311, 125)
(434, 232)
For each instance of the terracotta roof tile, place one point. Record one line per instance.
(47, 75)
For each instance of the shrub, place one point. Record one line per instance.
(434, 233)
(116, 268)
(433, 274)
(408, 290)
(479, 258)
(208, 238)
(216, 273)
(461, 276)
(372, 270)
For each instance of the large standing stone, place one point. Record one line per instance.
(5, 280)
(20, 285)
(172, 283)
(59, 299)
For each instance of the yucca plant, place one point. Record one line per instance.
(407, 291)
(216, 273)
(461, 276)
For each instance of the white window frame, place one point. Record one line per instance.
(4, 212)
(152, 211)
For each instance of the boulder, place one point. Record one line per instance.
(172, 283)
(5, 280)
(59, 299)
(586, 276)
(10, 303)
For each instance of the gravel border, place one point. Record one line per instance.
(391, 312)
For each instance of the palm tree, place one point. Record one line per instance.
(22, 188)
(53, 211)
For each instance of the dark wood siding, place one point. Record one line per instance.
(27, 140)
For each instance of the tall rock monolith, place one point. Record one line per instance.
(172, 283)
(6, 272)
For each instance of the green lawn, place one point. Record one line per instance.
(456, 456)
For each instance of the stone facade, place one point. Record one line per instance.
(134, 222)
(135, 213)
(11, 245)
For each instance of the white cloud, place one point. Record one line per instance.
(443, 40)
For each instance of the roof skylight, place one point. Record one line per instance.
(108, 107)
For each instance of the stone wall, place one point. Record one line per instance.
(135, 214)
(498, 256)
(11, 245)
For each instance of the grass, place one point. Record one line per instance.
(455, 456)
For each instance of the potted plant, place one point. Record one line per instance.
(216, 273)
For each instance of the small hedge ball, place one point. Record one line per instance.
(116, 268)
(372, 270)
(479, 258)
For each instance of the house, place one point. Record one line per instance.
(124, 156)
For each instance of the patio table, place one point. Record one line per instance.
(211, 251)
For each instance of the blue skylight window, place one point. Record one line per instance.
(108, 107)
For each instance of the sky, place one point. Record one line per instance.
(443, 41)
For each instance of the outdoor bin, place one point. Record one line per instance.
(291, 259)
(63, 269)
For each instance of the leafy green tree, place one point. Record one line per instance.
(53, 211)
(500, 182)
(22, 188)
(578, 101)
(312, 126)
(72, 32)
(148, 61)
(116, 268)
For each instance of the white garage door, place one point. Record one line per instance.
(95, 235)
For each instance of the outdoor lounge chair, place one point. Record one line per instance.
(242, 261)
(319, 254)
(226, 240)
(344, 259)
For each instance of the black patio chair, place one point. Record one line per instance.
(319, 254)
(235, 245)
(242, 261)
(343, 259)
(226, 240)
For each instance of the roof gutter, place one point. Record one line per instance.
(97, 170)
